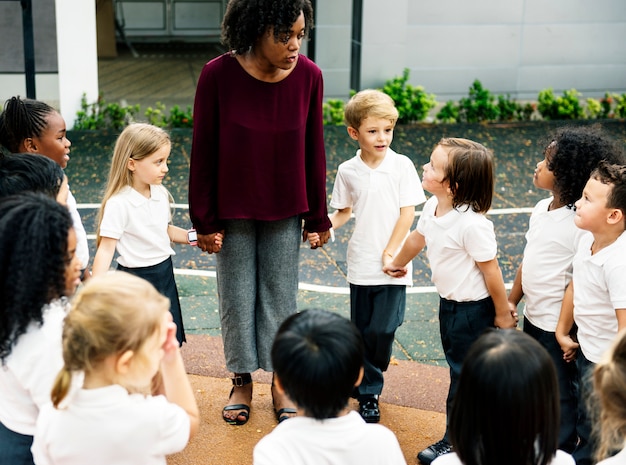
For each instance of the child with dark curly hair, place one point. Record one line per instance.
(257, 173)
(39, 269)
(546, 269)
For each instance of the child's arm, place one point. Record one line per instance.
(516, 293)
(403, 224)
(176, 234)
(104, 256)
(412, 246)
(565, 324)
(620, 313)
(495, 285)
(176, 382)
(337, 219)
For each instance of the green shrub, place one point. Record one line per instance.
(508, 109)
(479, 106)
(179, 118)
(449, 113)
(103, 115)
(620, 105)
(412, 102)
(156, 116)
(332, 111)
(565, 107)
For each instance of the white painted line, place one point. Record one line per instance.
(317, 287)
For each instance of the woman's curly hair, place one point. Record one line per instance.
(575, 152)
(33, 257)
(245, 21)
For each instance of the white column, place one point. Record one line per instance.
(77, 55)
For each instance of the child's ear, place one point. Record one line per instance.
(353, 133)
(29, 145)
(616, 216)
(131, 164)
(122, 365)
(360, 378)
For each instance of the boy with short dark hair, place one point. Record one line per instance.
(318, 360)
(596, 297)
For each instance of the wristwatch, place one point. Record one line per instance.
(192, 237)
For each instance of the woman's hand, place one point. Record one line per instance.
(211, 243)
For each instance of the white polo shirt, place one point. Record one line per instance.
(139, 225)
(345, 440)
(547, 263)
(29, 371)
(599, 288)
(107, 425)
(454, 243)
(375, 196)
(82, 246)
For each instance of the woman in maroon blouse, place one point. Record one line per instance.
(258, 169)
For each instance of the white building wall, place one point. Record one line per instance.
(516, 47)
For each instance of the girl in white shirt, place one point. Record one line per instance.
(462, 252)
(135, 217)
(506, 409)
(116, 337)
(609, 382)
(39, 268)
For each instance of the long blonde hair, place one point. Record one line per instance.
(137, 141)
(608, 401)
(110, 315)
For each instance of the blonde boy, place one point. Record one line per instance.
(381, 188)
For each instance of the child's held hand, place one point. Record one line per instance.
(505, 321)
(568, 346)
(314, 239)
(395, 271)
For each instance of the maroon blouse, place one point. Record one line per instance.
(258, 147)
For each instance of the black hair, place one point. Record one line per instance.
(27, 172)
(245, 21)
(317, 356)
(574, 151)
(506, 408)
(33, 255)
(615, 176)
(21, 119)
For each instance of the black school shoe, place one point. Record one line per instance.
(368, 409)
(433, 451)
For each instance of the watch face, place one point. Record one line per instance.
(192, 236)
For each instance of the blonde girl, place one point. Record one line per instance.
(462, 252)
(135, 216)
(116, 337)
(609, 381)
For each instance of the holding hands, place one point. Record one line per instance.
(211, 243)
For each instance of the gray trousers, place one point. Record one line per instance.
(257, 283)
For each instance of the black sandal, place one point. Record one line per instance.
(284, 413)
(238, 380)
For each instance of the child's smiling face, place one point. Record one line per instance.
(591, 209)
